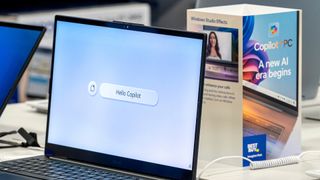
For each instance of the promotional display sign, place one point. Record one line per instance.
(251, 103)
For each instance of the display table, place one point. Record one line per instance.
(310, 136)
(21, 115)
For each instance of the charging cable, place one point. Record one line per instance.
(261, 164)
(30, 139)
(2, 134)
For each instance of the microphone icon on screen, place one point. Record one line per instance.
(92, 88)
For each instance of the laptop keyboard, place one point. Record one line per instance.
(43, 168)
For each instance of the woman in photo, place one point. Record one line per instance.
(213, 51)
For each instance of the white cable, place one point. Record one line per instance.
(261, 164)
(219, 159)
(274, 162)
(307, 152)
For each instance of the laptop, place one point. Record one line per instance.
(277, 127)
(17, 46)
(125, 103)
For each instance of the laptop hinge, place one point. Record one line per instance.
(48, 152)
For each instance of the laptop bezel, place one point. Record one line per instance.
(135, 166)
(27, 61)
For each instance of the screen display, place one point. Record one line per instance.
(270, 58)
(219, 46)
(221, 53)
(16, 46)
(125, 93)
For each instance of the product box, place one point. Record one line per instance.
(252, 91)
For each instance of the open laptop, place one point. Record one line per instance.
(18, 44)
(125, 100)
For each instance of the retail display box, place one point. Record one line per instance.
(252, 91)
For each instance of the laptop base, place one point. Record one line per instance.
(41, 167)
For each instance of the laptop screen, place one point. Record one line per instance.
(126, 91)
(17, 45)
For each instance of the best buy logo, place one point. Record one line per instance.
(253, 148)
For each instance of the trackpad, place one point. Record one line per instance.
(8, 176)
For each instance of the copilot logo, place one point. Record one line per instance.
(274, 29)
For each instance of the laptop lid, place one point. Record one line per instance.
(126, 96)
(18, 44)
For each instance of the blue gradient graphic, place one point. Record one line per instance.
(256, 30)
(169, 65)
(15, 47)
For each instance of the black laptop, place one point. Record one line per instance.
(125, 103)
(17, 45)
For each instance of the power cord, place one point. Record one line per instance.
(2, 134)
(9, 144)
(260, 164)
(30, 138)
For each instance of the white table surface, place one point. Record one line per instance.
(310, 139)
(21, 115)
